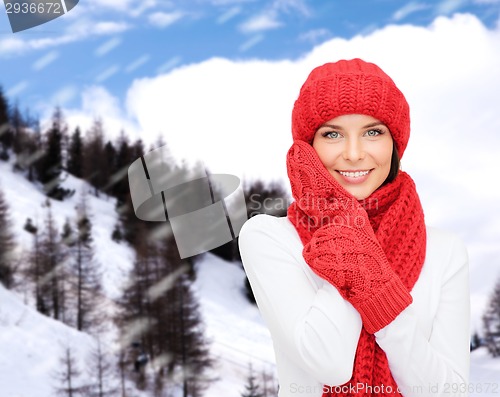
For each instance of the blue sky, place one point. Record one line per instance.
(113, 42)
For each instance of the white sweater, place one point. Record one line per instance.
(315, 331)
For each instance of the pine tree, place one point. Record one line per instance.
(119, 181)
(170, 336)
(6, 136)
(22, 143)
(75, 154)
(189, 346)
(491, 323)
(475, 342)
(34, 271)
(50, 166)
(85, 270)
(47, 269)
(252, 388)
(109, 166)
(94, 157)
(7, 244)
(27, 143)
(68, 376)
(136, 320)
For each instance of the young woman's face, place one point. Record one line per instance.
(356, 149)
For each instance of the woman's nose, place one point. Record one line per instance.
(353, 150)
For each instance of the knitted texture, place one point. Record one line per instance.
(350, 87)
(372, 250)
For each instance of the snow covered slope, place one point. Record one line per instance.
(30, 348)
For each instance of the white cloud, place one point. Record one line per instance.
(117, 5)
(408, 9)
(292, 5)
(264, 21)
(107, 46)
(137, 63)
(446, 7)
(269, 18)
(169, 64)
(107, 73)
(17, 89)
(45, 60)
(11, 45)
(96, 102)
(164, 19)
(315, 35)
(251, 42)
(110, 27)
(229, 2)
(63, 95)
(229, 14)
(77, 31)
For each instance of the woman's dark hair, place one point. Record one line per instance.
(395, 166)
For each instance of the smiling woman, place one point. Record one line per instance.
(360, 296)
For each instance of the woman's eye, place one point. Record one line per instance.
(331, 134)
(373, 132)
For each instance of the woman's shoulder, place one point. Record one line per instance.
(268, 225)
(441, 238)
(447, 249)
(269, 235)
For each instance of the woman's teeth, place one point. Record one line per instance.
(356, 174)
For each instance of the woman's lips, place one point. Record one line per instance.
(355, 177)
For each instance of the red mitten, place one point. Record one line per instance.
(353, 261)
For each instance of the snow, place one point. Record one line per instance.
(31, 344)
(238, 334)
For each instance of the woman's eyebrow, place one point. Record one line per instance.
(335, 127)
(338, 127)
(374, 124)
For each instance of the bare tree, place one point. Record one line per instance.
(46, 267)
(269, 384)
(7, 245)
(85, 275)
(101, 372)
(68, 376)
(252, 387)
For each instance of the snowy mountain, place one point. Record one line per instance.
(31, 344)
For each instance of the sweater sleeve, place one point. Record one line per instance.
(315, 327)
(437, 365)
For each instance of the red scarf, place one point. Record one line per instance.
(397, 219)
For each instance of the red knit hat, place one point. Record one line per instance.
(350, 87)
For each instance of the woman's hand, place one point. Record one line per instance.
(353, 261)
